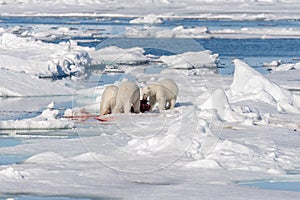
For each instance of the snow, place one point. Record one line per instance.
(48, 119)
(45, 158)
(25, 85)
(50, 32)
(179, 151)
(205, 32)
(249, 84)
(285, 67)
(256, 33)
(148, 19)
(39, 58)
(205, 60)
(219, 102)
(206, 164)
(11, 173)
(115, 55)
(212, 9)
(223, 130)
(177, 32)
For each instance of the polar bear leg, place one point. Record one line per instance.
(104, 110)
(108, 100)
(126, 107)
(118, 107)
(136, 106)
(152, 101)
(172, 103)
(136, 101)
(161, 103)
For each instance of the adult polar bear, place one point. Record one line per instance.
(163, 92)
(108, 100)
(128, 97)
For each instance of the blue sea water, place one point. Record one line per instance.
(7, 159)
(275, 185)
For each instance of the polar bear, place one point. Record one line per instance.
(128, 98)
(108, 100)
(163, 92)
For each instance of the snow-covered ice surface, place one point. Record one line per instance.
(224, 130)
(211, 9)
(48, 119)
(192, 60)
(148, 19)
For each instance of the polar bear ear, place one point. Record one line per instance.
(148, 87)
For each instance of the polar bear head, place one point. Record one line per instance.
(147, 91)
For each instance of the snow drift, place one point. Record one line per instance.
(219, 102)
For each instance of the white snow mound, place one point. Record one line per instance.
(218, 101)
(10, 173)
(46, 158)
(204, 163)
(248, 84)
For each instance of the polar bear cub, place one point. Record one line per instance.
(108, 100)
(128, 97)
(163, 92)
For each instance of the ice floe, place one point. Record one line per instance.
(158, 32)
(30, 56)
(148, 19)
(116, 55)
(256, 33)
(204, 60)
(48, 119)
(205, 32)
(285, 67)
(25, 85)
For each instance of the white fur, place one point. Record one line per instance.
(108, 100)
(163, 92)
(128, 95)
